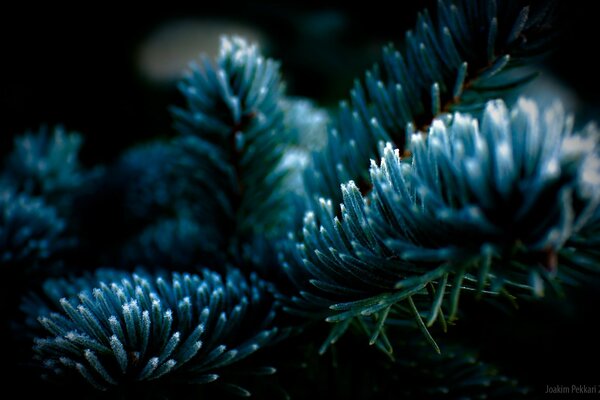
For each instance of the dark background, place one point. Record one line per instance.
(78, 66)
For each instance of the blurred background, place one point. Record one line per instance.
(111, 73)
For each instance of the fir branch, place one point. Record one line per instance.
(232, 141)
(133, 329)
(469, 196)
(457, 61)
(479, 208)
(510, 194)
(46, 164)
(31, 231)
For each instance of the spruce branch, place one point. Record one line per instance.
(232, 141)
(464, 195)
(482, 205)
(456, 61)
(31, 231)
(46, 164)
(505, 196)
(125, 330)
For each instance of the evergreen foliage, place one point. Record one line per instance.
(465, 55)
(165, 230)
(472, 208)
(148, 181)
(456, 373)
(140, 327)
(261, 218)
(46, 164)
(30, 230)
(179, 243)
(232, 141)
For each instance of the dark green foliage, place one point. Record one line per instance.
(412, 372)
(581, 251)
(232, 142)
(454, 374)
(165, 227)
(240, 235)
(148, 181)
(223, 190)
(47, 300)
(46, 164)
(456, 60)
(41, 184)
(122, 329)
(30, 230)
(503, 198)
(473, 208)
(177, 243)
